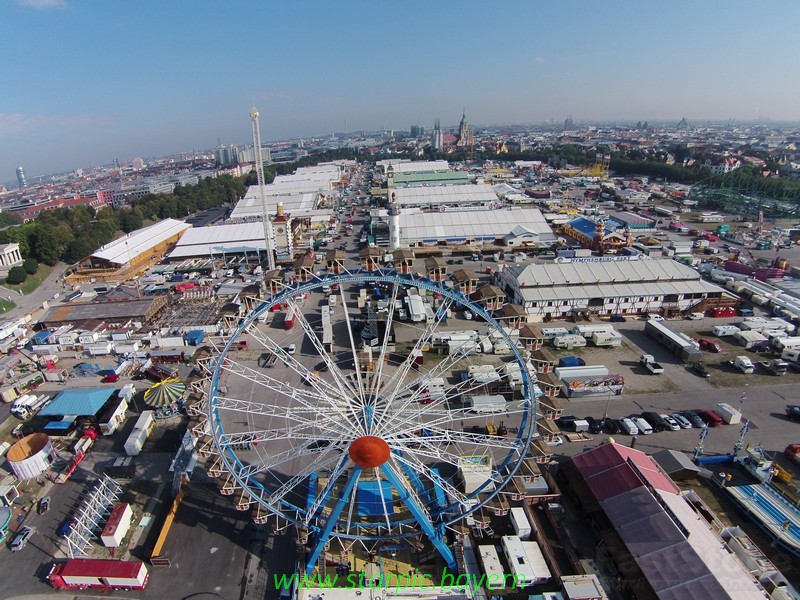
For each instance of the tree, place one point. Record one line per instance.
(31, 265)
(16, 275)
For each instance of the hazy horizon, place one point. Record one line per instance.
(90, 82)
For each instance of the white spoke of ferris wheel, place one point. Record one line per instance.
(281, 387)
(413, 463)
(410, 489)
(301, 415)
(388, 329)
(445, 416)
(434, 452)
(401, 388)
(444, 436)
(350, 509)
(461, 388)
(308, 431)
(325, 493)
(278, 459)
(353, 347)
(427, 333)
(343, 385)
(326, 390)
(376, 472)
(294, 481)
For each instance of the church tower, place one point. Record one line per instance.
(463, 131)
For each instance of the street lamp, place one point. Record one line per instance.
(744, 397)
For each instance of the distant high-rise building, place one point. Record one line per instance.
(436, 137)
(417, 131)
(227, 155)
(21, 180)
(568, 123)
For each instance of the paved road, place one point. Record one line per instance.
(32, 302)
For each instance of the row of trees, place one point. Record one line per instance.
(70, 234)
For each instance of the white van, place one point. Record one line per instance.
(629, 426)
(643, 426)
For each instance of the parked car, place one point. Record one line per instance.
(700, 369)
(693, 418)
(710, 417)
(642, 425)
(595, 425)
(709, 345)
(20, 539)
(566, 422)
(655, 421)
(654, 318)
(611, 426)
(672, 424)
(628, 426)
(292, 348)
(618, 319)
(110, 378)
(681, 420)
(44, 505)
(764, 346)
(66, 526)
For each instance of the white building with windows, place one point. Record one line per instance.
(606, 286)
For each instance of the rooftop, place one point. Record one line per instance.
(673, 546)
(219, 239)
(78, 402)
(130, 246)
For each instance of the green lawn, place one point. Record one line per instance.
(32, 282)
(5, 306)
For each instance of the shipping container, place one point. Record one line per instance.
(81, 573)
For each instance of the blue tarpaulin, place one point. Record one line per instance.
(370, 501)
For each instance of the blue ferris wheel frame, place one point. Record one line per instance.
(233, 463)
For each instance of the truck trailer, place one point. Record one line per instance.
(82, 573)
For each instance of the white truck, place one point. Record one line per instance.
(649, 363)
(744, 364)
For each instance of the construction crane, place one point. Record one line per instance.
(268, 234)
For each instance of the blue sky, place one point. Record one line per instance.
(84, 81)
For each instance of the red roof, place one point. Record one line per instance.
(608, 472)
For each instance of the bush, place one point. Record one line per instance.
(31, 265)
(16, 275)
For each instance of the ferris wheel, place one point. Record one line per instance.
(363, 409)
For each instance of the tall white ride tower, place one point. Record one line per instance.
(262, 192)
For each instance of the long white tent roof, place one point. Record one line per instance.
(472, 224)
(481, 193)
(249, 207)
(220, 239)
(138, 242)
(634, 278)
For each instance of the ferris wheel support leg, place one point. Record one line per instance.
(436, 536)
(325, 534)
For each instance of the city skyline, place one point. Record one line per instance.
(88, 83)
